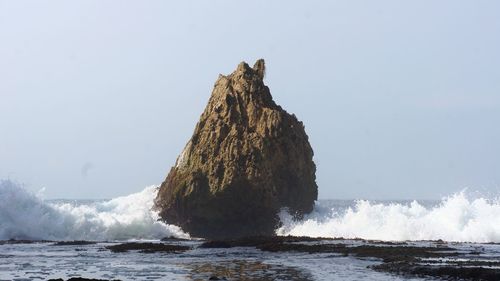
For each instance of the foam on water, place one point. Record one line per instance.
(455, 218)
(24, 215)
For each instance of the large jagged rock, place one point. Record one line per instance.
(247, 159)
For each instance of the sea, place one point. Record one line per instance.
(461, 219)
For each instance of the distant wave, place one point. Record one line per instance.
(455, 218)
(23, 215)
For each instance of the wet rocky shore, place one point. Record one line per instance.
(438, 260)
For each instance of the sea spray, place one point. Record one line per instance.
(23, 215)
(454, 218)
(459, 217)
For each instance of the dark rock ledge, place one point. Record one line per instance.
(147, 248)
(439, 259)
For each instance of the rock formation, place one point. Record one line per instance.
(247, 159)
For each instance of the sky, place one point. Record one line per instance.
(400, 99)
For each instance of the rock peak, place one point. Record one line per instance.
(243, 67)
(260, 68)
(244, 88)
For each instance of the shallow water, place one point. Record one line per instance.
(41, 261)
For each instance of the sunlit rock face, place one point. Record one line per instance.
(247, 159)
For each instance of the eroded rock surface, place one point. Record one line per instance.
(246, 160)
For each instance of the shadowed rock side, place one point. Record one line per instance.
(246, 160)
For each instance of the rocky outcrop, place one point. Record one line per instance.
(247, 159)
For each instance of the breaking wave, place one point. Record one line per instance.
(454, 218)
(24, 215)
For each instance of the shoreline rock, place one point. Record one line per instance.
(246, 159)
(147, 248)
(438, 259)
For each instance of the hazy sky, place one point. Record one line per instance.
(401, 99)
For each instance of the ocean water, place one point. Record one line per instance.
(23, 215)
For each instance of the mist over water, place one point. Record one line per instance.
(458, 217)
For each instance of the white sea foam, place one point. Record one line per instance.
(455, 218)
(23, 215)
